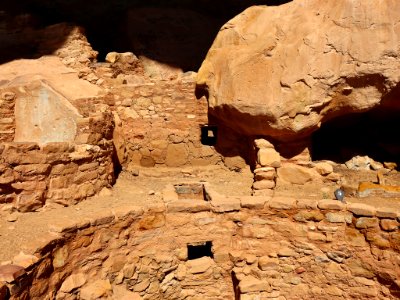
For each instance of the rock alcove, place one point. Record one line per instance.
(373, 133)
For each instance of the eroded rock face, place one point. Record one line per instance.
(281, 71)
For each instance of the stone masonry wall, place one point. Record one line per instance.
(159, 124)
(32, 175)
(262, 248)
(63, 173)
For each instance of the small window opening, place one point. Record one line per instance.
(200, 249)
(195, 191)
(209, 135)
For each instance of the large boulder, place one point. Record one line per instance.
(281, 71)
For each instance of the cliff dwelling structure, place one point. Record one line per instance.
(229, 149)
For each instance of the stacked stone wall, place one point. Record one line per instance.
(262, 247)
(160, 125)
(63, 173)
(32, 175)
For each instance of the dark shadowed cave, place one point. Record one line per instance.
(177, 32)
(374, 133)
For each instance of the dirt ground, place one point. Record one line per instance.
(145, 189)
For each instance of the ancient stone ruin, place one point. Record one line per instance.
(196, 150)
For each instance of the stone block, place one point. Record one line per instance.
(361, 209)
(307, 204)
(286, 252)
(29, 185)
(330, 204)
(123, 212)
(268, 263)
(64, 169)
(267, 175)
(199, 265)
(57, 147)
(253, 202)
(323, 168)
(264, 185)
(8, 177)
(263, 144)
(389, 225)
(264, 170)
(364, 281)
(294, 174)
(73, 282)
(188, 206)
(339, 217)
(61, 182)
(305, 215)
(256, 231)
(225, 204)
(387, 212)
(269, 157)
(282, 203)
(33, 157)
(29, 201)
(251, 284)
(32, 169)
(316, 236)
(364, 223)
(83, 177)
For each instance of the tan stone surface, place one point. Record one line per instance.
(295, 174)
(96, 290)
(72, 282)
(281, 70)
(199, 265)
(269, 157)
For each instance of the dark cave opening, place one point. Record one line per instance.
(177, 32)
(374, 133)
(198, 250)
